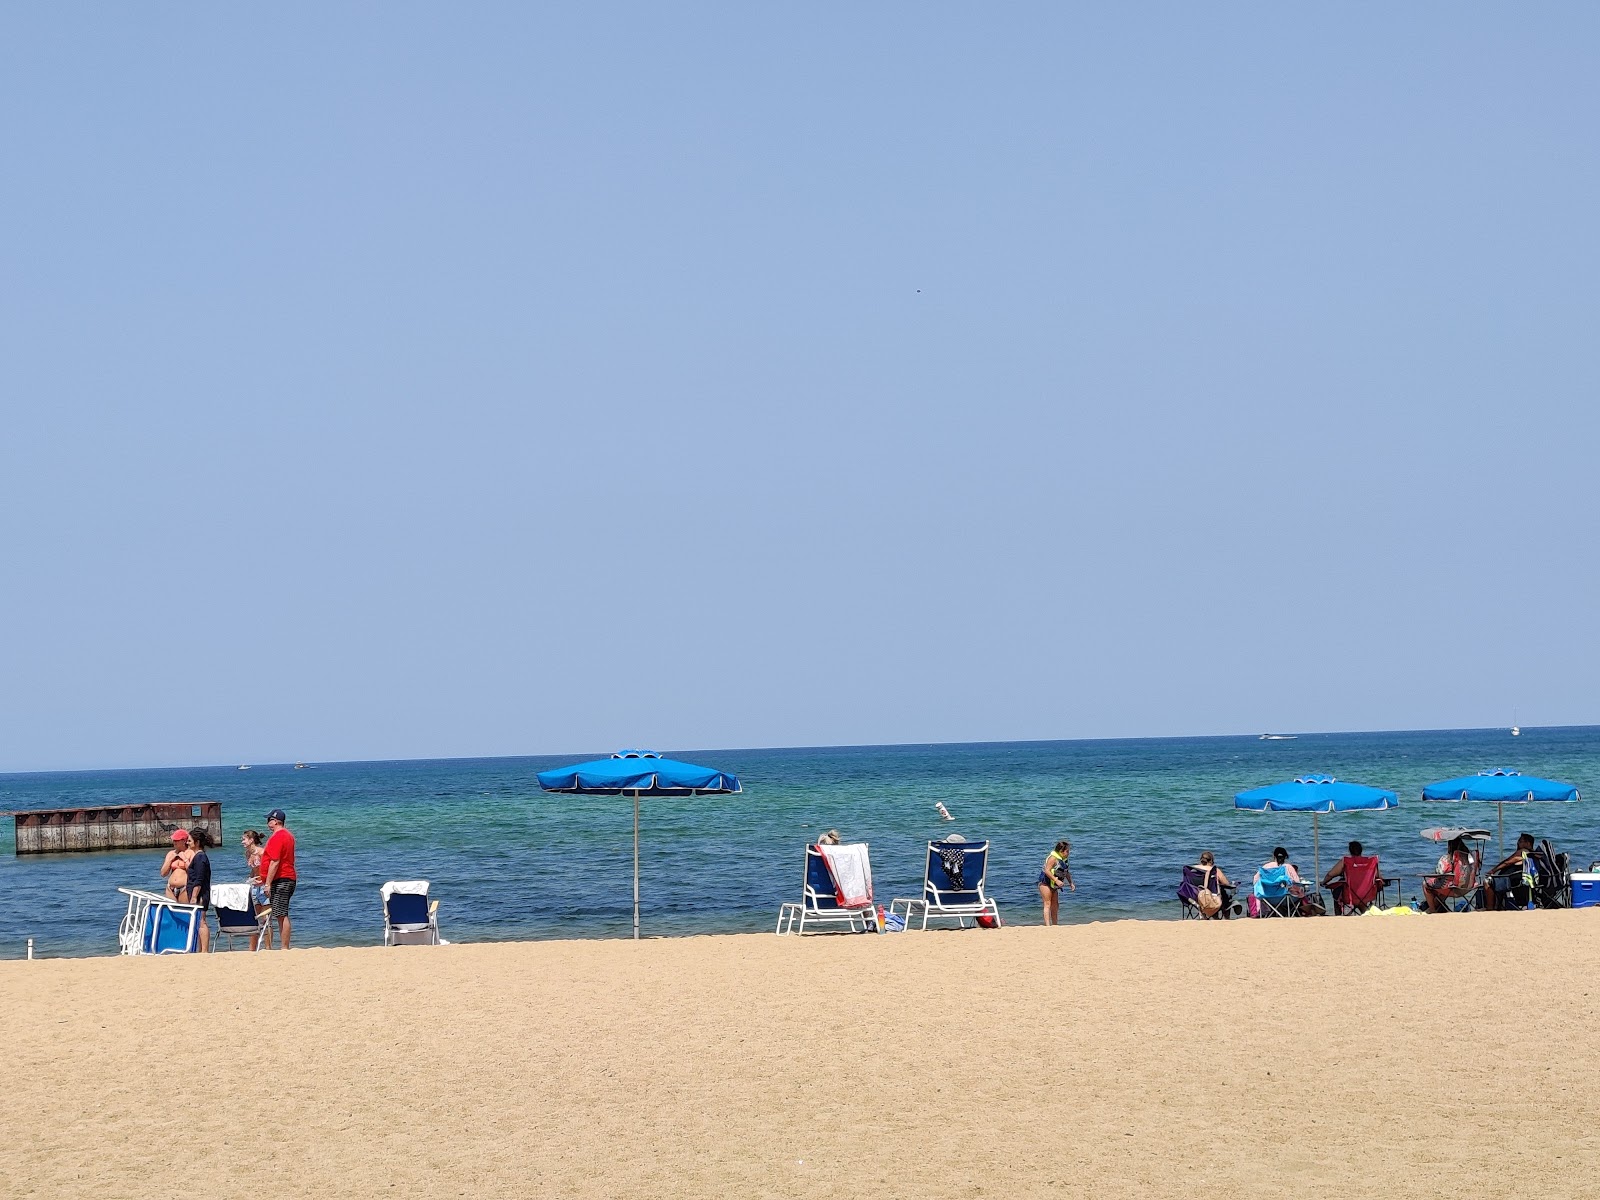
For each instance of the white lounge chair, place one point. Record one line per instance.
(952, 885)
(157, 924)
(819, 900)
(409, 917)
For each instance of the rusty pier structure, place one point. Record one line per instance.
(113, 827)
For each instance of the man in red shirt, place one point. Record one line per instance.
(277, 872)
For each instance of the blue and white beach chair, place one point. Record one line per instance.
(1275, 893)
(952, 885)
(237, 916)
(819, 904)
(409, 917)
(157, 924)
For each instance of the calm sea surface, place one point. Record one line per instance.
(508, 861)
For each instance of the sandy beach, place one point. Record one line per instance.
(1392, 1056)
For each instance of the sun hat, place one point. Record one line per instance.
(180, 835)
(277, 814)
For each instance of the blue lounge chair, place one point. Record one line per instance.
(819, 905)
(409, 917)
(952, 885)
(156, 924)
(1274, 892)
(237, 917)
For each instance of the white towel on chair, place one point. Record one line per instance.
(851, 872)
(235, 896)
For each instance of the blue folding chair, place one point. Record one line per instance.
(1274, 892)
(237, 917)
(952, 885)
(819, 905)
(409, 917)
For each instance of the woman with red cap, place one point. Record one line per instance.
(175, 867)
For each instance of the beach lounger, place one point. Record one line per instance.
(236, 916)
(409, 917)
(952, 886)
(156, 924)
(841, 896)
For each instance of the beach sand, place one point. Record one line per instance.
(1398, 1057)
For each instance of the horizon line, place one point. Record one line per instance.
(345, 762)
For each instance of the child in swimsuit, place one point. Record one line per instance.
(1052, 875)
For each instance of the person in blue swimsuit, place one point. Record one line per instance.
(1052, 876)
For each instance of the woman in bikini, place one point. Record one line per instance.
(175, 867)
(252, 840)
(1052, 875)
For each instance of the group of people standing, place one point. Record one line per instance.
(269, 861)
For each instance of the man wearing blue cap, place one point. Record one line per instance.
(277, 872)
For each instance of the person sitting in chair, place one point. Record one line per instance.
(1457, 876)
(1216, 881)
(1506, 883)
(1338, 884)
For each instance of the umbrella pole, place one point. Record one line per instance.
(1316, 849)
(636, 865)
(1500, 809)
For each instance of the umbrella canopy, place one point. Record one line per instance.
(1501, 786)
(1449, 833)
(1316, 794)
(638, 773)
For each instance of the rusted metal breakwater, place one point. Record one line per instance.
(115, 827)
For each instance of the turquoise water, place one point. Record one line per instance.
(508, 861)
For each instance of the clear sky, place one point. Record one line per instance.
(416, 380)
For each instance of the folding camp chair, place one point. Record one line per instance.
(952, 885)
(409, 917)
(1552, 877)
(156, 924)
(1275, 893)
(1194, 882)
(820, 903)
(237, 917)
(1363, 886)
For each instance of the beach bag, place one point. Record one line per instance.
(1255, 906)
(1209, 903)
(988, 921)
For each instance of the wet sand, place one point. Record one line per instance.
(1399, 1057)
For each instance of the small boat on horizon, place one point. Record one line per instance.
(299, 766)
(244, 766)
(1278, 737)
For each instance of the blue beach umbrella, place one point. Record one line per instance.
(1316, 794)
(1501, 786)
(638, 773)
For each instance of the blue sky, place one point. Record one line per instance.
(421, 380)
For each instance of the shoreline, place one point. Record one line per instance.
(1005, 1062)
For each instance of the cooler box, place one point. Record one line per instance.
(1586, 889)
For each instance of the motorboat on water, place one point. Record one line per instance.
(1278, 737)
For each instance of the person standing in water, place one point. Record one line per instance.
(1052, 875)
